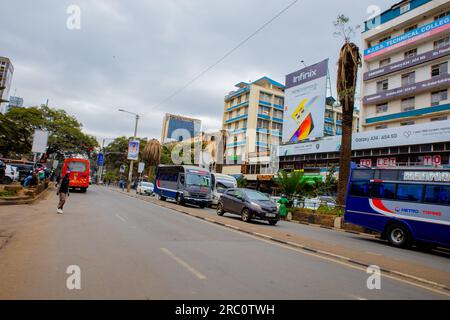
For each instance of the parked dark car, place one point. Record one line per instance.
(24, 170)
(249, 204)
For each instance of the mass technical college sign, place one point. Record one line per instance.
(415, 35)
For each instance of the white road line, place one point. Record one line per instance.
(121, 218)
(184, 264)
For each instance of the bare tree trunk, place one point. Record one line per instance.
(349, 60)
(345, 156)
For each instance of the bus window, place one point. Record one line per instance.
(437, 194)
(409, 192)
(360, 188)
(363, 175)
(391, 175)
(383, 191)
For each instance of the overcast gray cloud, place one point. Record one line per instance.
(133, 54)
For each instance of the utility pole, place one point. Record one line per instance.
(130, 172)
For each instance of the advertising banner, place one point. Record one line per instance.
(133, 150)
(100, 159)
(408, 63)
(399, 136)
(141, 167)
(413, 89)
(304, 113)
(40, 140)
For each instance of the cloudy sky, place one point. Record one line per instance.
(134, 54)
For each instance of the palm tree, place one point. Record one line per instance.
(152, 154)
(349, 61)
(292, 183)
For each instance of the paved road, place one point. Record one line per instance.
(127, 248)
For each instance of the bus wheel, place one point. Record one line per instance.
(398, 235)
(162, 198)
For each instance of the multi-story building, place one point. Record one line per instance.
(253, 118)
(333, 118)
(405, 65)
(179, 128)
(6, 74)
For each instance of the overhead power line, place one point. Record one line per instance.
(228, 53)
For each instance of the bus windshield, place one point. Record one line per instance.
(197, 180)
(76, 166)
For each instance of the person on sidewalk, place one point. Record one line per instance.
(63, 192)
(283, 202)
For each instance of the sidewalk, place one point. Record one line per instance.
(408, 270)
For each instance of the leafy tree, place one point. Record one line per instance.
(65, 132)
(293, 183)
(242, 182)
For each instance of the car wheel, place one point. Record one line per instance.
(273, 222)
(202, 206)
(220, 211)
(179, 200)
(7, 180)
(245, 215)
(398, 235)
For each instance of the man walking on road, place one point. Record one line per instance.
(63, 192)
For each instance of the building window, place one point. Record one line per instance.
(442, 15)
(279, 101)
(385, 62)
(384, 39)
(407, 123)
(384, 126)
(382, 85)
(278, 114)
(439, 69)
(382, 108)
(263, 124)
(411, 53)
(411, 28)
(264, 110)
(265, 97)
(443, 118)
(236, 125)
(438, 96)
(442, 42)
(408, 104)
(408, 79)
(244, 123)
(277, 126)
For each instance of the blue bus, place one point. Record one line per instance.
(405, 205)
(184, 184)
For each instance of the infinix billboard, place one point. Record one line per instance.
(305, 94)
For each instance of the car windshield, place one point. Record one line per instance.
(147, 184)
(255, 195)
(197, 180)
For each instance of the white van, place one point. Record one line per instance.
(221, 183)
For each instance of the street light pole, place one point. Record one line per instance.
(130, 173)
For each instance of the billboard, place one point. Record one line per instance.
(399, 136)
(133, 150)
(304, 113)
(40, 140)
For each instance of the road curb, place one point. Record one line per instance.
(303, 247)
